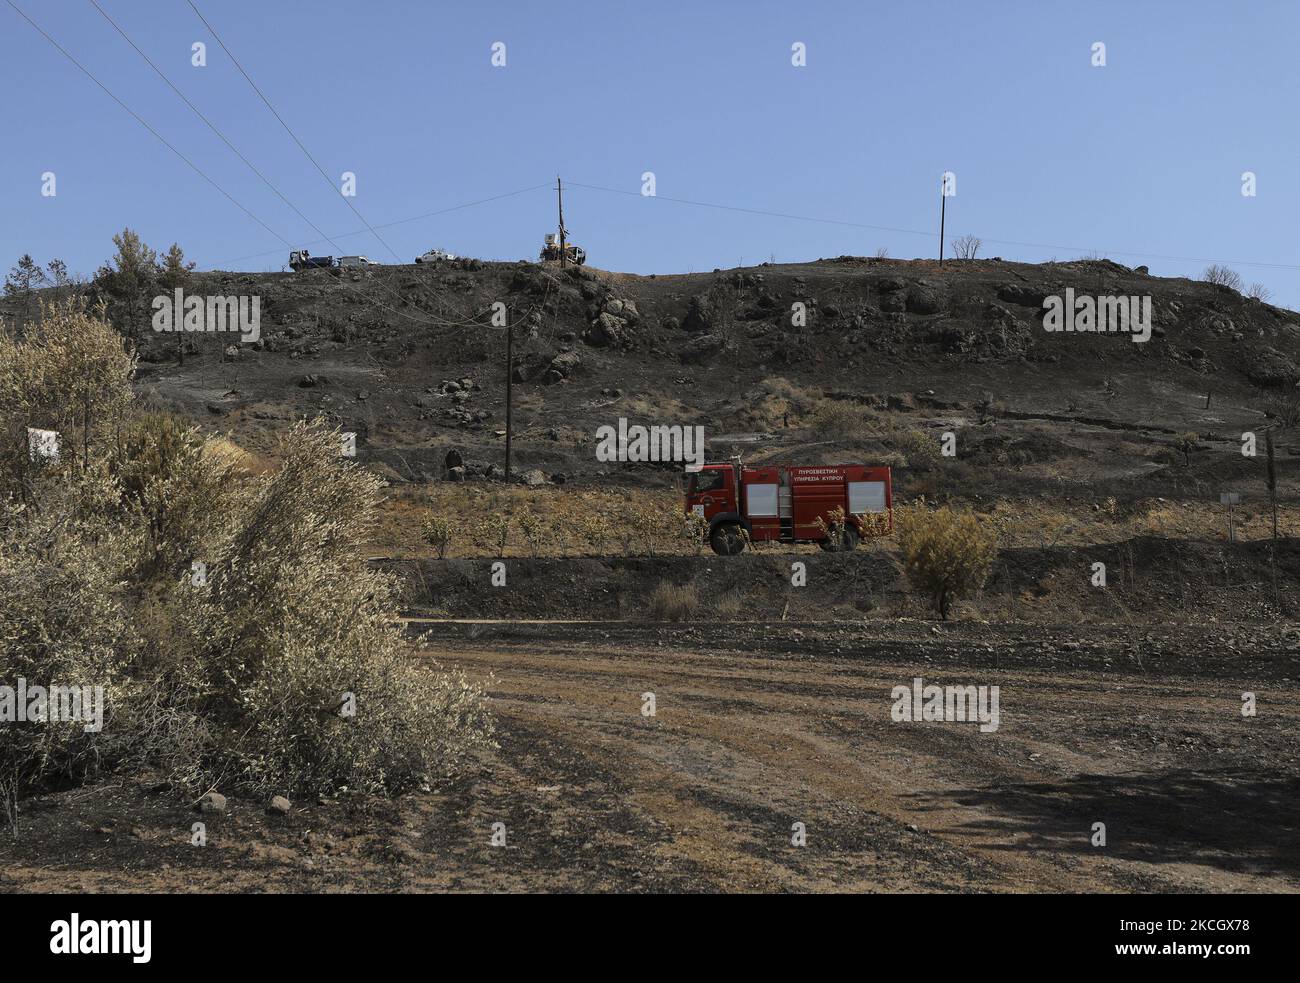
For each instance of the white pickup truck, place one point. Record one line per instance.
(356, 261)
(434, 255)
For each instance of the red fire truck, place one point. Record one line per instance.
(783, 502)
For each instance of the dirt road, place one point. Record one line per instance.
(757, 728)
(744, 744)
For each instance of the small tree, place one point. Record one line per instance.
(70, 374)
(833, 532)
(1187, 442)
(965, 247)
(493, 532)
(436, 531)
(173, 271)
(1259, 292)
(128, 281)
(23, 280)
(535, 531)
(58, 277)
(696, 530)
(945, 553)
(1222, 276)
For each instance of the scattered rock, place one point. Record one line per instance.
(893, 303)
(922, 300)
(212, 803)
(607, 331)
(1019, 293)
(564, 364)
(1269, 367)
(278, 806)
(529, 366)
(701, 348)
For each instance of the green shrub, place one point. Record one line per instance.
(70, 374)
(302, 661)
(64, 621)
(919, 449)
(437, 532)
(180, 486)
(287, 671)
(946, 554)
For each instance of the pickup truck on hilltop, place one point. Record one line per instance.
(300, 259)
(434, 255)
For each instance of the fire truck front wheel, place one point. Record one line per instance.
(727, 539)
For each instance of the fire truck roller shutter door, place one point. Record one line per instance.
(866, 496)
(761, 501)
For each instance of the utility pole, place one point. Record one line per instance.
(943, 213)
(510, 371)
(559, 194)
(1230, 499)
(1270, 479)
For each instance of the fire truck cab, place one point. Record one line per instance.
(783, 503)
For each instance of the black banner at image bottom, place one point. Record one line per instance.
(142, 933)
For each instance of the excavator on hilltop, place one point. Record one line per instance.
(551, 251)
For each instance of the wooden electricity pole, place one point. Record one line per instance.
(510, 371)
(943, 213)
(1270, 477)
(559, 194)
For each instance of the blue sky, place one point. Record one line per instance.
(1144, 155)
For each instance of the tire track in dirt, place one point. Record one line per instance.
(743, 745)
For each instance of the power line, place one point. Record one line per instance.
(432, 318)
(207, 122)
(400, 221)
(930, 235)
(301, 146)
(750, 211)
(161, 139)
(287, 129)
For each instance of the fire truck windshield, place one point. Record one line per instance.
(705, 481)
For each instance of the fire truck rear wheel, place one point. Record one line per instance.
(846, 542)
(726, 539)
